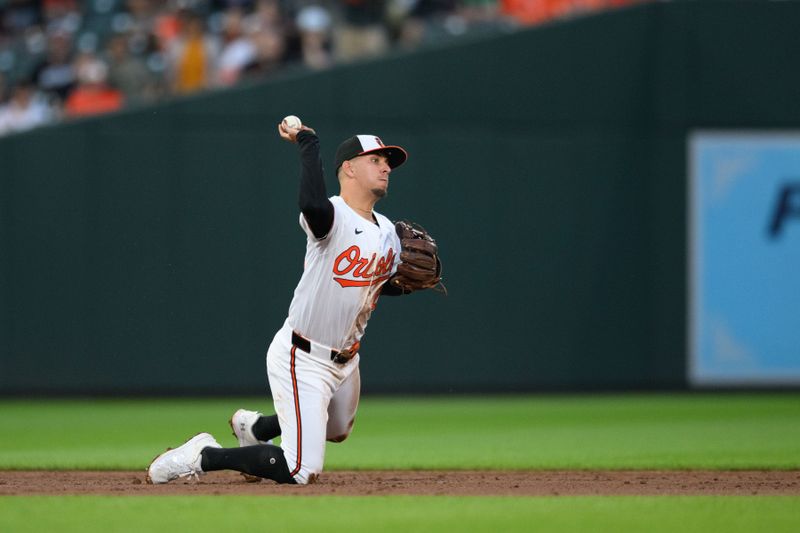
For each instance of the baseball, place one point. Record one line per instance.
(292, 121)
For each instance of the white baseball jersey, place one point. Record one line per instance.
(343, 276)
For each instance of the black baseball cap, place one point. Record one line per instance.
(366, 144)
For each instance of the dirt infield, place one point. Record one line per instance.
(456, 483)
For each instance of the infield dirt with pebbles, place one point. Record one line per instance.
(455, 483)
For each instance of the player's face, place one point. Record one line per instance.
(372, 173)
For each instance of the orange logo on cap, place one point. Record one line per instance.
(379, 141)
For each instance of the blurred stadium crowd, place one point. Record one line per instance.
(71, 58)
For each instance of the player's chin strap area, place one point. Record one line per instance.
(338, 357)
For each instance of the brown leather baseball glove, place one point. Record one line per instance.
(420, 266)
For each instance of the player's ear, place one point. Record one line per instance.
(347, 168)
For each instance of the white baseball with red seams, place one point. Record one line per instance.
(292, 121)
(340, 285)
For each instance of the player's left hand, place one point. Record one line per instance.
(420, 266)
(289, 133)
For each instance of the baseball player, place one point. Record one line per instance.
(353, 256)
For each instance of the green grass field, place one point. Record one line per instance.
(705, 431)
(399, 513)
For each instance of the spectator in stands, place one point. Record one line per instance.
(266, 16)
(270, 52)
(61, 15)
(93, 95)
(55, 75)
(192, 56)
(143, 14)
(314, 25)
(25, 109)
(269, 18)
(238, 50)
(148, 24)
(130, 74)
(362, 32)
(169, 50)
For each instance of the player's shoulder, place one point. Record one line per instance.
(343, 215)
(340, 208)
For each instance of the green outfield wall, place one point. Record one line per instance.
(156, 250)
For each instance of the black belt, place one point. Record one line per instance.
(304, 344)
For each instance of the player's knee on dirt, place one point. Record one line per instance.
(307, 473)
(309, 470)
(306, 478)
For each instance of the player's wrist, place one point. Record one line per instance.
(305, 133)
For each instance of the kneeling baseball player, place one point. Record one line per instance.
(353, 256)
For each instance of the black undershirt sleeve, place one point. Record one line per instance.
(313, 201)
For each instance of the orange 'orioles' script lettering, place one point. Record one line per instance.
(364, 272)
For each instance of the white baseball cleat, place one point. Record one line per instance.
(242, 423)
(183, 461)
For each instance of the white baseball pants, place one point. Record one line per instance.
(315, 400)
